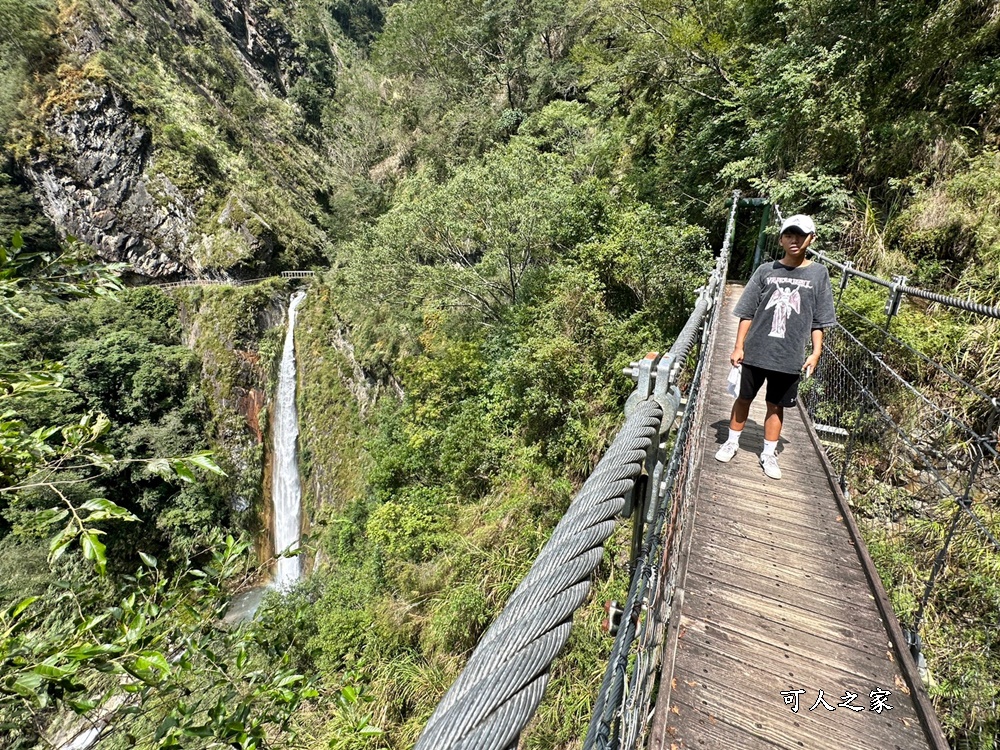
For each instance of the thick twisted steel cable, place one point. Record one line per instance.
(688, 336)
(911, 291)
(502, 684)
(961, 304)
(612, 692)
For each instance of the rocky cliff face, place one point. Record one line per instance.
(236, 369)
(266, 46)
(98, 176)
(97, 188)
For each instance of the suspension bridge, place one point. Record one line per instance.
(755, 617)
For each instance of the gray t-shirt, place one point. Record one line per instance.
(785, 304)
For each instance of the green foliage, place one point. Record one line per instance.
(523, 191)
(149, 664)
(24, 43)
(117, 402)
(646, 263)
(238, 366)
(953, 225)
(333, 393)
(140, 653)
(52, 275)
(458, 621)
(462, 46)
(471, 243)
(20, 211)
(410, 528)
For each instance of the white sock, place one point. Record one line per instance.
(770, 446)
(734, 436)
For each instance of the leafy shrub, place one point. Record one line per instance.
(411, 527)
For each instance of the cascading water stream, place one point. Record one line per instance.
(286, 494)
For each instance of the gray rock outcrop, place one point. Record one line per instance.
(96, 176)
(95, 185)
(266, 46)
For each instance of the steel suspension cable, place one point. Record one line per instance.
(613, 690)
(501, 686)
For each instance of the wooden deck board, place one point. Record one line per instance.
(775, 597)
(764, 718)
(839, 653)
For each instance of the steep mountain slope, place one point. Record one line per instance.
(177, 136)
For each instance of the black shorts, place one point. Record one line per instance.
(782, 387)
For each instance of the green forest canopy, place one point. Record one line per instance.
(510, 200)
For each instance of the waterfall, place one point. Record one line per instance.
(286, 493)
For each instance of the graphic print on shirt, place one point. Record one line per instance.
(785, 301)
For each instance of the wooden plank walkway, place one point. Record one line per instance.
(774, 596)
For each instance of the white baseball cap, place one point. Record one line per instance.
(800, 222)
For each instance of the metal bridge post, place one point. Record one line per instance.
(895, 297)
(644, 372)
(758, 250)
(845, 278)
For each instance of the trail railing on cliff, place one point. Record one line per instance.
(892, 440)
(232, 282)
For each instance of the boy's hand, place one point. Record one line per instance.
(810, 365)
(736, 358)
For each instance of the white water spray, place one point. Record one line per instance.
(286, 493)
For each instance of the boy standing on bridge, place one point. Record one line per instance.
(785, 303)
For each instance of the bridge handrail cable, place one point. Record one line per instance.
(502, 684)
(910, 291)
(616, 700)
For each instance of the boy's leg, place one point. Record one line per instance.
(773, 421)
(738, 417)
(772, 433)
(751, 380)
(782, 391)
(750, 383)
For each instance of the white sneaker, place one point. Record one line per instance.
(769, 463)
(726, 452)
